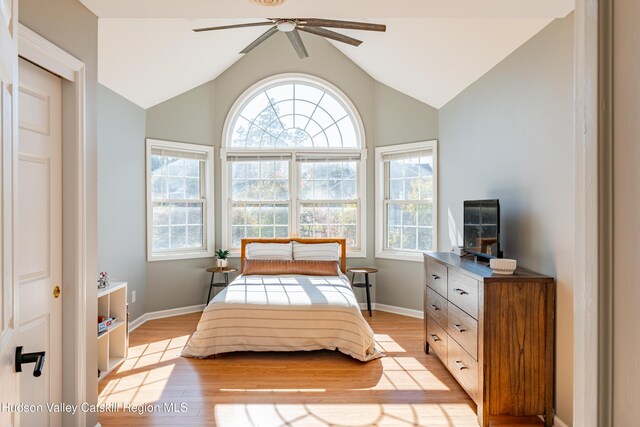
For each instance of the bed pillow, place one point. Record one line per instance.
(275, 251)
(316, 251)
(270, 267)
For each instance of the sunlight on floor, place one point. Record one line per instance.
(388, 344)
(150, 354)
(231, 415)
(140, 388)
(274, 390)
(143, 377)
(407, 373)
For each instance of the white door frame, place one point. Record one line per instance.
(45, 54)
(593, 222)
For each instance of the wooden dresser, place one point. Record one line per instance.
(494, 333)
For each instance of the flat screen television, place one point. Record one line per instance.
(482, 228)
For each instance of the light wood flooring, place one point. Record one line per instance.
(319, 388)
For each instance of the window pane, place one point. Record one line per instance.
(178, 237)
(194, 214)
(409, 235)
(260, 180)
(192, 168)
(237, 234)
(328, 181)
(176, 188)
(175, 166)
(177, 226)
(408, 214)
(160, 238)
(179, 214)
(194, 236)
(393, 237)
(409, 206)
(425, 215)
(394, 215)
(292, 115)
(177, 198)
(192, 188)
(330, 220)
(161, 215)
(159, 184)
(258, 220)
(396, 189)
(425, 239)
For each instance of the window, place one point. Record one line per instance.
(406, 189)
(293, 164)
(179, 200)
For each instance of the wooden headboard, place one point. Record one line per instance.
(308, 240)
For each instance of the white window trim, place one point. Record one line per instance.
(380, 252)
(208, 218)
(240, 102)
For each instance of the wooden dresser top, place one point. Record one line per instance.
(481, 271)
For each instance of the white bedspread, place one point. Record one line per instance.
(284, 313)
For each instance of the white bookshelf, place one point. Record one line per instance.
(112, 343)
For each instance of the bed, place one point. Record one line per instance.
(285, 312)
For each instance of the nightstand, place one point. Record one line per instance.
(214, 284)
(365, 271)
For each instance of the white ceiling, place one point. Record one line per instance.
(432, 56)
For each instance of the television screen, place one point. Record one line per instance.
(482, 227)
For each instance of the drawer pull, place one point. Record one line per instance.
(458, 327)
(435, 276)
(435, 307)
(461, 291)
(460, 365)
(435, 337)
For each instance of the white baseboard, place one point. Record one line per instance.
(400, 310)
(393, 309)
(558, 422)
(164, 313)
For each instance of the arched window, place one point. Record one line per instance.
(294, 163)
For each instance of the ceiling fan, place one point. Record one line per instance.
(292, 26)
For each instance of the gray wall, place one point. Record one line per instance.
(626, 205)
(74, 29)
(198, 116)
(121, 194)
(510, 136)
(400, 119)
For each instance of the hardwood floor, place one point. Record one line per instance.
(319, 388)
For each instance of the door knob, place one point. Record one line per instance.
(23, 358)
(56, 291)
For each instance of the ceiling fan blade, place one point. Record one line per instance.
(298, 45)
(331, 35)
(227, 27)
(271, 31)
(347, 25)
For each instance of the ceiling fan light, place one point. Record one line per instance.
(269, 2)
(286, 26)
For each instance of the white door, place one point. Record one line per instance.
(9, 385)
(39, 247)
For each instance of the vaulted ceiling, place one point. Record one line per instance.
(432, 50)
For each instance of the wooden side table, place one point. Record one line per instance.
(366, 271)
(224, 284)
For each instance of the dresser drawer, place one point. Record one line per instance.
(437, 339)
(436, 276)
(464, 329)
(463, 292)
(463, 367)
(436, 307)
